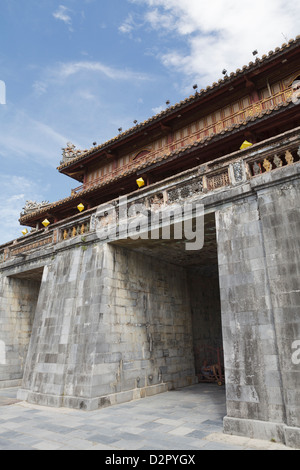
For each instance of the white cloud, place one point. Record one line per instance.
(219, 34)
(128, 25)
(158, 20)
(87, 95)
(40, 87)
(158, 109)
(61, 73)
(69, 103)
(26, 138)
(61, 14)
(68, 69)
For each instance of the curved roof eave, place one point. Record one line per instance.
(227, 80)
(174, 154)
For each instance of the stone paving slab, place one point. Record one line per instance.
(185, 419)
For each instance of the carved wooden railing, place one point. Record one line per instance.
(31, 242)
(44, 238)
(80, 228)
(212, 129)
(234, 118)
(269, 156)
(274, 161)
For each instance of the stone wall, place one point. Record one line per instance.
(18, 298)
(110, 325)
(206, 318)
(259, 252)
(280, 218)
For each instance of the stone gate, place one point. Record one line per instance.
(117, 293)
(92, 320)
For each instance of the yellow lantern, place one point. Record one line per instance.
(80, 207)
(245, 145)
(24, 232)
(46, 223)
(140, 182)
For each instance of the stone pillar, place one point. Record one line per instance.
(280, 219)
(259, 253)
(111, 325)
(68, 330)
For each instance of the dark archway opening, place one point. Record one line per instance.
(201, 276)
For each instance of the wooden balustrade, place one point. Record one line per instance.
(80, 228)
(212, 129)
(27, 244)
(245, 164)
(274, 161)
(36, 241)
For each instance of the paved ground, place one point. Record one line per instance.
(185, 419)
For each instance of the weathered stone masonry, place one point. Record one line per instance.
(109, 324)
(116, 320)
(90, 318)
(18, 299)
(259, 252)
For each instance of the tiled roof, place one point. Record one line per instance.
(155, 160)
(227, 79)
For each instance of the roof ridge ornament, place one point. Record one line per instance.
(70, 152)
(32, 206)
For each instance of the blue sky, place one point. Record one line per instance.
(77, 70)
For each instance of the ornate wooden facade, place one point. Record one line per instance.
(254, 103)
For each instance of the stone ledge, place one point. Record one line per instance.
(269, 431)
(90, 404)
(246, 442)
(10, 383)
